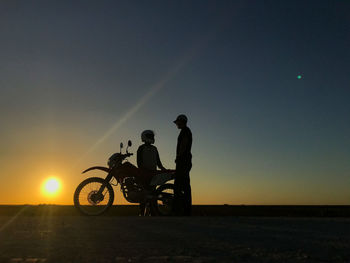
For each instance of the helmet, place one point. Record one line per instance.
(147, 136)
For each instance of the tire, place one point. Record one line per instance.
(163, 206)
(88, 202)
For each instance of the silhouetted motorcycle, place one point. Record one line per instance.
(95, 195)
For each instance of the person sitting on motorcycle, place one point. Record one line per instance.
(147, 154)
(148, 160)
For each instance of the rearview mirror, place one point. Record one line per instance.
(129, 143)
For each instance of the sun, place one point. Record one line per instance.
(51, 186)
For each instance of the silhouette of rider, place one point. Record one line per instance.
(182, 187)
(148, 160)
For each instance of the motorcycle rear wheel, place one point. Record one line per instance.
(87, 199)
(165, 200)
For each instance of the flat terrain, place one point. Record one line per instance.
(197, 210)
(47, 237)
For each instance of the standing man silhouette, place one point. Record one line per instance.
(182, 187)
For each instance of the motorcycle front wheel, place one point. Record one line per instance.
(88, 198)
(165, 200)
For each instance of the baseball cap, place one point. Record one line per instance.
(181, 117)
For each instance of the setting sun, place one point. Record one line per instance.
(51, 186)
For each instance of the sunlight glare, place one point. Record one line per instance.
(51, 186)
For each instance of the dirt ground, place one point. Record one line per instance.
(52, 238)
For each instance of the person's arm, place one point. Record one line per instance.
(139, 157)
(182, 148)
(159, 163)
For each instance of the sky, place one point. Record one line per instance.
(77, 78)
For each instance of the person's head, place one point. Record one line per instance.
(181, 121)
(147, 137)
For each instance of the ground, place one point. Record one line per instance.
(58, 238)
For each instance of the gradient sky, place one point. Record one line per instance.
(78, 78)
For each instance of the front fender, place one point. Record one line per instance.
(105, 169)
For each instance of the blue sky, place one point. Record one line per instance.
(77, 78)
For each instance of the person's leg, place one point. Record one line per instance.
(177, 194)
(142, 208)
(182, 188)
(187, 196)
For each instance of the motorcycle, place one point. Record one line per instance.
(95, 195)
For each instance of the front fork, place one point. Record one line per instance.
(107, 180)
